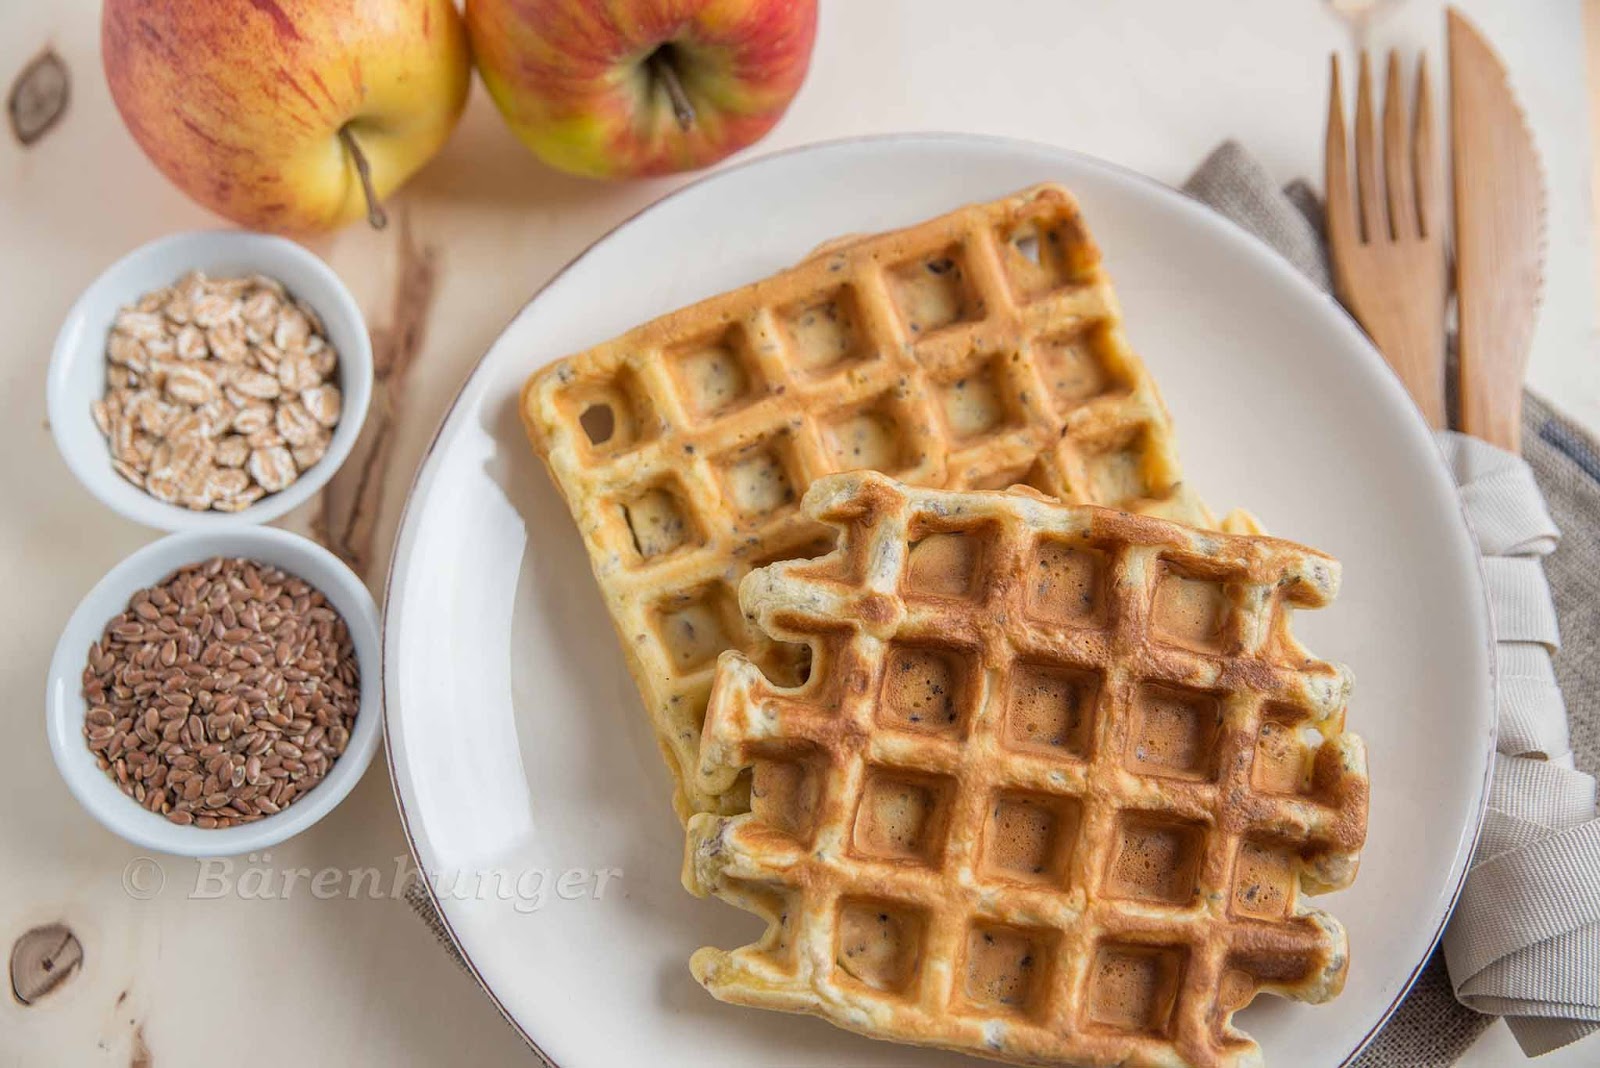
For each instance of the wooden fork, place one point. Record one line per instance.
(1388, 241)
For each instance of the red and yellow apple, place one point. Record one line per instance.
(616, 88)
(289, 115)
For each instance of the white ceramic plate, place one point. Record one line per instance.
(516, 738)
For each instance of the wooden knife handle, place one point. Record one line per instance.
(1491, 399)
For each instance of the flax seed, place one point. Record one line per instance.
(231, 687)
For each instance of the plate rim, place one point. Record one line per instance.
(1467, 844)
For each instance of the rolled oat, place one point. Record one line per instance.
(211, 374)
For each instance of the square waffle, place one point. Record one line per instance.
(1052, 792)
(979, 349)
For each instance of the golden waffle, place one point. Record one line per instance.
(979, 349)
(1051, 793)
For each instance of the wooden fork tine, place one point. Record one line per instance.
(1374, 223)
(1396, 159)
(1427, 163)
(1392, 282)
(1343, 232)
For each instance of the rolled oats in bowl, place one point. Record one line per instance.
(222, 694)
(219, 391)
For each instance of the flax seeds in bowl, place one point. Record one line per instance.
(222, 694)
(218, 391)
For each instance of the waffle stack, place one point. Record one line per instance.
(1004, 772)
(1051, 794)
(977, 350)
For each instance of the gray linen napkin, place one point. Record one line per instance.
(1525, 919)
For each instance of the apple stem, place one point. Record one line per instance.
(661, 68)
(377, 218)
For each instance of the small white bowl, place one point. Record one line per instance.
(65, 708)
(78, 363)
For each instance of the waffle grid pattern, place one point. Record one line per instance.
(971, 872)
(979, 349)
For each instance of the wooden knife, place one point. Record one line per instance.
(1499, 212)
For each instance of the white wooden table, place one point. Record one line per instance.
(1152, 84)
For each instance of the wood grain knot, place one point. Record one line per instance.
(42, 959)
